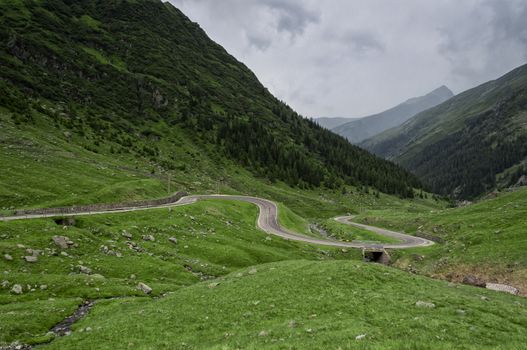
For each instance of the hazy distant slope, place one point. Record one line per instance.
(358, 130)
(332, 122)
(461, 145)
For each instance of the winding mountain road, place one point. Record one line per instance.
(267, 221)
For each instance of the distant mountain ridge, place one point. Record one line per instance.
(361, 129)
(332, 122)
(468, 145)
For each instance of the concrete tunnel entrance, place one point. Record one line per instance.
(376, 255)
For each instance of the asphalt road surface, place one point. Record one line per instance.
(268, 222)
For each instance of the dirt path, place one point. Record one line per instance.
(268, 222)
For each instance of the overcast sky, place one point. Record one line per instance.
(356, 57)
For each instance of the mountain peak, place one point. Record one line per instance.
(442, 91)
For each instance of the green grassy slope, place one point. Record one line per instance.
(218, 239)
(214, 238)
(486, 239)
(339, 302)
(136, 80)
(459, 147)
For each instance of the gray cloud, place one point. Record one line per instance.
(293, 17)
(363, 42)
(259, 42)
(355, 57)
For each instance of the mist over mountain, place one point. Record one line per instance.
(361, 129)
(332, 122)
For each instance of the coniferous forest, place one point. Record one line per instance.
(117, 68)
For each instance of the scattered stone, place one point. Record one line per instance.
(213, 285)
(173, 240)
(5, 284)
(473, 281)
(484, 298)
(132, 277)
(84, 269)
(127, 234)
(43, 287)
(62, 241)
(461, 312)
(263, 334)
(64, 254)
(425, 304)
(148, 238)
(17, 289)
(522, 181)
(360, 336)
(252, 271)
(292, 324)
(268, 238)
(21, 246)
(8, 257)
(88, 329)
(30, 259)
(502, 288)
(146, 289)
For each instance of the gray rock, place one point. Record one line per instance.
(143, 287)
(425, 304)
(84, 269)
(33, 252)
(30, 259)
(360, 336)
(17, 289)
(502, 288)
(148, 238)
(173, 240)
(473, 281)
(5, 284)
(263, 334)
(252, 271)
(62, 241)
(126, 234)
(8, 257)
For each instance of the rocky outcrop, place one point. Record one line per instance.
(502, 288)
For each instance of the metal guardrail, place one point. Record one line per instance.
(99, 207)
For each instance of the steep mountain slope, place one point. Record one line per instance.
(137, 82)
(465, 145)
(358, 130)
(332, 122)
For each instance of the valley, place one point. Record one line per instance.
(154, 194)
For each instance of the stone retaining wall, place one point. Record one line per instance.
(102, 207)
